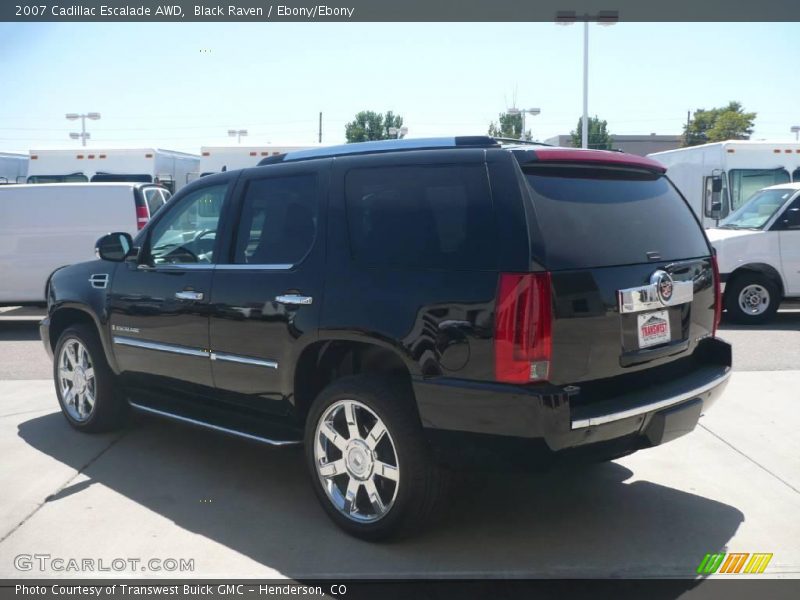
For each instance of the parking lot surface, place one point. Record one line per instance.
(159, 490)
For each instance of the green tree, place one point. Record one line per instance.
(509, 126)
(719, 124)
(369, 125)
(599, 138)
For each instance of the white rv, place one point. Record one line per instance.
(214, 159)
(44, 227)
(13, 167)
(736, 168)
(143, 165)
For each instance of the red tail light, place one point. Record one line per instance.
(717, 294)
(142, 216)
(523, 328)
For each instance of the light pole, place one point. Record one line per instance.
(83, 135)
(604, 17)
(795, 129)
(523, 112)
(398, 132)
(237, 133)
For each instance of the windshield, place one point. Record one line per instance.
(758, 210)
(746, 182)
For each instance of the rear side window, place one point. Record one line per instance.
(600, 217)
(432, 216)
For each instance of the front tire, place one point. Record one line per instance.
(752, 299)
(368, 458)
(85, 383)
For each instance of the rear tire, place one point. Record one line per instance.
(85, 383)
(752, 299)
(369, 461)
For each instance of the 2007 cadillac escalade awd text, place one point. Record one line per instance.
(403, 308)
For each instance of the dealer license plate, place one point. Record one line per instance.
(653, 328)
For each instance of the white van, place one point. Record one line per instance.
(718, 178)
(46, 226)
(758, 252)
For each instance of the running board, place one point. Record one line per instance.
(205, 424)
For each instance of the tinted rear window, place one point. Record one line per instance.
(600, 217)
(433, 216)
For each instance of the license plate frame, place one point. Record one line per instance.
(653, 328)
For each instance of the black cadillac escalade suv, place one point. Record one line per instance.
(402, 307)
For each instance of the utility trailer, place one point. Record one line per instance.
(13, 167)
(214, 159)
(142, 165)
(718, 178)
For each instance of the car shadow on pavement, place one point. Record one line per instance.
(257, 501)
(19, 330)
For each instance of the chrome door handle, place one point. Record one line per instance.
(187, 295)
(294, 299)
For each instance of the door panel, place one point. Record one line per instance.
(159, 303)
(266, 301)
(789, 236)
(790, 260)
(157, 335)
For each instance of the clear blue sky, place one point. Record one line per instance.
(183, 85)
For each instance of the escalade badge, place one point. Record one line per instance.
(663, 284)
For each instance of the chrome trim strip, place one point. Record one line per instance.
(646, 408)
(126, 341)
(181, 267)
(219, 428)
(270, 364)
(645, 297)
(215, 267)
(254, 267)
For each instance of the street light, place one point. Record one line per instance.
(795, 129)
(604, 17)
(83, 135)
(523, 112)
(398, 132)
(237, 133)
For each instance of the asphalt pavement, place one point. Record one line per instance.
(159, 490)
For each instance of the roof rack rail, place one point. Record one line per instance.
(467, 141)
(505, 140)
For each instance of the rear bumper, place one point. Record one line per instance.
(552, 419)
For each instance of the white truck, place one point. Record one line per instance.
(758, 253)
(13, 167)
(46, 226)
(719, 178)
(214, 159)
(144, 165)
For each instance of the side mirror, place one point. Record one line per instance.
(716, 196)
(114, 246)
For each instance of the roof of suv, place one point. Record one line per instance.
(532, 152)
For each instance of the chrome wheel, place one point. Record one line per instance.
(754, 299)
(76, 380)
(356, 461)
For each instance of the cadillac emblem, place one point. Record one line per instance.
(663, 286)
